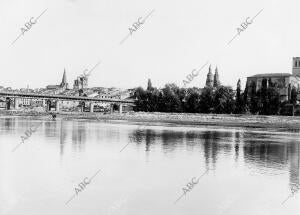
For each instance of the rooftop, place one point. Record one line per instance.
(265, 75)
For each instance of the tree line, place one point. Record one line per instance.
(219, 100)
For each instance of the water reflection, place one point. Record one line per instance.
(62, 136)
(262, 151)
(79, 131)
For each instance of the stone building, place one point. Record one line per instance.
(81, 82)
(62, 86)
(217, 82)
(212, 80)
(284, 81)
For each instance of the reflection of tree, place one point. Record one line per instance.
(213, 145)
(262, 151)
(294, 158)
(51, 128)
(62, 136)
(78, 135)
(171, 139)
(237, 144)
(141, 134)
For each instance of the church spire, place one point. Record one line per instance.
(216, 78)
(209, 79)
(64, 79)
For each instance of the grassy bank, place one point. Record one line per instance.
(176, 118)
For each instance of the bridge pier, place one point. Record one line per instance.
(57, 106)
(44, 104)
(120, 108)
(8, 103)
(82, 106)
(111, 108)
(92, 107)
(48, 105)
(17, 102)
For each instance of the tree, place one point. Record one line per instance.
(192, 101)
(206, 100)
(263, 99)
(171, 100)
(269, 99)
(294, 98)
(273, 101)
(253, 106)
(239, 101)
(141, 99)
(270, 83)
(223, 100)
(245, 97)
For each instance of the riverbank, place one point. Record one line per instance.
(228, 120)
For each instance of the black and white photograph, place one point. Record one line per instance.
(111, 107)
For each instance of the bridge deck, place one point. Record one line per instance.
(63, 97)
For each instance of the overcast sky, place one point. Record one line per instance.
(179, 36)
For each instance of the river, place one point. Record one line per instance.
(89, 167)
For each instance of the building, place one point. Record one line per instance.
(62, 86)
(81, 82)
(212, 80)
(284, 81)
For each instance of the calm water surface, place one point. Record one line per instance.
(249, 171)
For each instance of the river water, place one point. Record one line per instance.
(135, 169)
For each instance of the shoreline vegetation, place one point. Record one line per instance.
(188, 119)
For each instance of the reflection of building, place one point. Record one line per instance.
(284, 81)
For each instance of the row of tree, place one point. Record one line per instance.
(220, 100)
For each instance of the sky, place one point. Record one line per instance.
(178, 37)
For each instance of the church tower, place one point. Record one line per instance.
(217, 82)
(296, 66)
(64, 83)
(209, 79)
